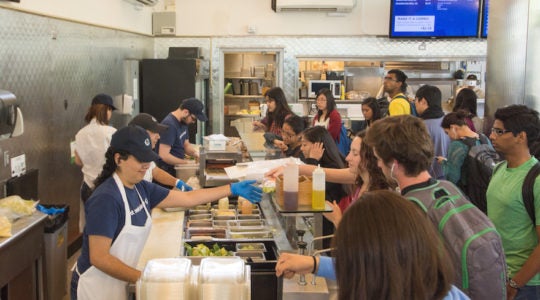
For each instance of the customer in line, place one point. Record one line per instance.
(118, 216)
(327, 115)
(467, 100)
(292, 136)
(515, 129)
(278, 111)
(369, 177)
(91, 143)
(396, 86)
(371, 111)
(385, 248)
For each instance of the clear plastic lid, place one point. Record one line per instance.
(222, 270)
(167, 270)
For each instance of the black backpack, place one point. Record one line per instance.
(478, 169)
(383, 106)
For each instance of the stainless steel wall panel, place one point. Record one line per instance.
(46, 63)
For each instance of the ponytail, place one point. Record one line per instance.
(110, 165)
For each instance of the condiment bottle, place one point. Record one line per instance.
(319, 188)
(290, 186)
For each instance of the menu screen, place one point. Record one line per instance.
(434, 18)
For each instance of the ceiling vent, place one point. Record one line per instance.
(338, 6)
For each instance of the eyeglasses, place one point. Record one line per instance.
(390, 79)
(499, 131)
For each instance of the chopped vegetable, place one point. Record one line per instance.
(203, 250)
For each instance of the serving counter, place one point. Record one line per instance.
(166, 240)
(21, 259)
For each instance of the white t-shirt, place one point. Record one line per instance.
(148, 176)
(91, 143)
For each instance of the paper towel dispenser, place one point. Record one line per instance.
(11, 119)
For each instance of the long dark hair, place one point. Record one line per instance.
(330, 102)
(466, 99)
(454, 118)
(379, 232)
(282, 107)
(368, 161)
(319, 134)
(372, 103)
(110, 165)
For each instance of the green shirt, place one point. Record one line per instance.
(506, 209)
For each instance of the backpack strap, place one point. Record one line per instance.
(527, 191)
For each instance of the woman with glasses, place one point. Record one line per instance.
(291, 132)
(327, 115)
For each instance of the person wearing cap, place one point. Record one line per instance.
(154, 129)
(91, 142)
(174, 142)
(119, 220)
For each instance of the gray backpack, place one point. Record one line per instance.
(472, 242)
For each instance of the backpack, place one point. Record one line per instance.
(383, 106)
(472, 242)
(412, 106)
(344, 141)
(477, 168)
(527, 191)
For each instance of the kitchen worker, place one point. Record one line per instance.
(91, 142)
(153, 128)
(118, 215)
(174, 142)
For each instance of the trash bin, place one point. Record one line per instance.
(55, 273)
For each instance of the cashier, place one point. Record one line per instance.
(118, 215)
(174, 142)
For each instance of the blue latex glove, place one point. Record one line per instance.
(247, 190)
(183, 186)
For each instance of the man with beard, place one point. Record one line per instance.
(174, 142)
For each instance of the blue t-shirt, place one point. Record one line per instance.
(105, 214)
(174, 136)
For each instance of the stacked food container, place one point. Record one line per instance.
(235, 229)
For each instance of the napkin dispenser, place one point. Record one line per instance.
(11, 118)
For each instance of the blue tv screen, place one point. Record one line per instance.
(485, 18)
(434, 18)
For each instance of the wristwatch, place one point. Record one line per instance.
(513, 284)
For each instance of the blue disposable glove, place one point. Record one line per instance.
(183, 186)
(247, 190)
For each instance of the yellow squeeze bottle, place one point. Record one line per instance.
(319, 189)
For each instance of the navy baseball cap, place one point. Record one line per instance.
(103, 99)
(148, 122)
(136, 141)
(195, 107)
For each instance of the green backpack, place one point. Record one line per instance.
(472, 242)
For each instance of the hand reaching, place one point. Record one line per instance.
(289, 264)
(247, 190)
(183, 186)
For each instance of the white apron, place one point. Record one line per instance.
(96, 285)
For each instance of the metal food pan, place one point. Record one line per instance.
(249, 217)
(201, 217)
(262, 234)
(199, 223)
(224, 218)
(202, 207)
(255, 256)
(219, 233)
(198, 212)
(255, 211)
(247, 223)
(224, 213)
(220, 223)
(216, 206)
(250, 247)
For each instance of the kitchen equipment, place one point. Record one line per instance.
(314, 86)
(212, 164)
(245, 86)
(185, 171)
(254, 88)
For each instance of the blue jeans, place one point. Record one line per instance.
(528, 293)
(74, 284)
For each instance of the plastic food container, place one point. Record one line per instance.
(250, 247)
(185, 171)
(224, 278)
(165, 278)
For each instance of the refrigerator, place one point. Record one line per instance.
(164, 83)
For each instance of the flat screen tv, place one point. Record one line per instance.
(434, 18)
(485, 19)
